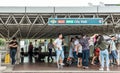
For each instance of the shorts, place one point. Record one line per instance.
(59, 54)
(79, 55)
(113, 55)
(97, 52)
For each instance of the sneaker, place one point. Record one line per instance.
(108, 69)
(58, 66)
(85, 67)
(101, 69)
(62, 64)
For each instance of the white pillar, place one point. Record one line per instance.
(18, 53)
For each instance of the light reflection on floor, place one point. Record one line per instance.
(26, 60)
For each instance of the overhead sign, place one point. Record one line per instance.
(75, 21)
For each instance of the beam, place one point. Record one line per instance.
(39, 31)
(2, 35)
(48, 32)
(15, 33)
(106, 19)
(112, 19)
(30, 27)
(42, 19)
(20, 24)
(3, 24)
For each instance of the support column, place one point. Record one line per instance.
(18, 53)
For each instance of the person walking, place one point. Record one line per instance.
(103, 45)
(59, 51)
(50, 47)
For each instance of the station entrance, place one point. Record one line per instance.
(28, 24)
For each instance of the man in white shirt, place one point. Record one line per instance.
(59, 51)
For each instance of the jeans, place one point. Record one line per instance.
(85, 57)
(104, 55)
(59, 53)
(75, 55)
(113, 55)
(12, 55)
(30, 56)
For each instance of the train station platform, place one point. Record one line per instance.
(52, 68)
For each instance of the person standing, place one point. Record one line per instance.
(36, 45)
(45, 45)
(22, 55)
(91, 46)
(59, 51)
(103, 45)
(84, 41)
(30, 52)
(13, 45)
(71, 48)
(50, 47)
(85, 50)
(113, 51)
(79, 54)
(76, 42)
(96, 52)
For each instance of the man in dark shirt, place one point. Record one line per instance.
(13, 49)
(85, 50)
(84, 41)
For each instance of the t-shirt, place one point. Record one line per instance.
(13, 43)
(30, 48)
(91, 42)
(58, 43)
(50, 46)
(85, 44)
(80, 49)
(36, 45)
(76, 43)
(112, 45)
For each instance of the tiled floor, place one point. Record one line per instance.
(51, 68)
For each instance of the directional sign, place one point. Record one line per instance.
(75, 21)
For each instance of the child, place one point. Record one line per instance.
(79, 53)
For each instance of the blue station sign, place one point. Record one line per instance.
(75, 21)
